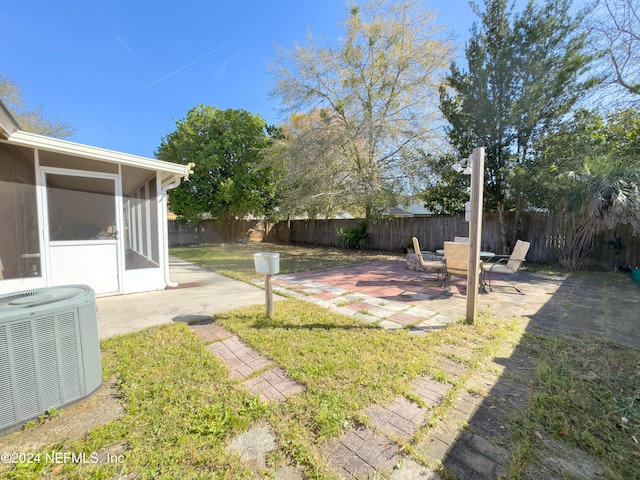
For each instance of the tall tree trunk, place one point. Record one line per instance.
(503, 228)
(517, 216)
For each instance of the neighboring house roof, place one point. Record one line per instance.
(418, 208)
(400, 212)
(412, 210)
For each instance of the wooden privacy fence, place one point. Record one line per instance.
(546, 231)
(210, 231)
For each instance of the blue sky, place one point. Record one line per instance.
(121, 72)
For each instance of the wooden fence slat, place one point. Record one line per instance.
(546, 231)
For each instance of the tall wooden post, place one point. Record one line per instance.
(475, 233)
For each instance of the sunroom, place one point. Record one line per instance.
(76, 214)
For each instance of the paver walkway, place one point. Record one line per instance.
(255, 371)
(369, 295)
(261, 377)
(360, 452)
(363, 452)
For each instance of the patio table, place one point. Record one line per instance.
(483, 254)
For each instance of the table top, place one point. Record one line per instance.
(483, 254)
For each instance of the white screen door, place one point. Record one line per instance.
(82, 219)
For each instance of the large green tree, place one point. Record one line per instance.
(524, 74)
(377, 95)
(447, 191)
(30, 119)
(228, 180)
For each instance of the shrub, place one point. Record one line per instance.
(353, 237)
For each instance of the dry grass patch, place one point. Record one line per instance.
(236, 260)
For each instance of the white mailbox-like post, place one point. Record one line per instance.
(269, 264)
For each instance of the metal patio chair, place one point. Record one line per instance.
(431, 265)
(456, 260)
(509, 264)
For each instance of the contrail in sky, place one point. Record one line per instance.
(189, 64)
(199, 59)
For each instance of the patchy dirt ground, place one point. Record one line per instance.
(72, 422)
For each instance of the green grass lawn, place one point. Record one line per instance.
(182, 409)
(236, 260)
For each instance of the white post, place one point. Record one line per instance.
(269, 264)
(475, 233)
(268, 294)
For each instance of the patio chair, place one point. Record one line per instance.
(456, 259)
(509, 264)
(432, 265)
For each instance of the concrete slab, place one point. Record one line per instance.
(409, 469)
(204, 294)
(254, 445)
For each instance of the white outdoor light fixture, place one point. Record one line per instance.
(464, 166)
(476, 159)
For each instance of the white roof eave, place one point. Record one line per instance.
(42, 142)
(8, 125)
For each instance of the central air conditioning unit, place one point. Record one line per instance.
(49, 351)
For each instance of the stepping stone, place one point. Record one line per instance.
(453, 369)
(464, 460)
(396, 306)
(400, 418)
(324, 295)
(381, 312)
(288, 472)
(404, 318)
(360, 306)
(389, 325)
(420, 312)
(360, 453)
(409, 469)
(242, 361)
(436, 322)
(273, 385)
(430, 391)
(239, 358)
(208, 331)
(253, 446)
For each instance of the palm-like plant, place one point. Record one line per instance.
(603, 194)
